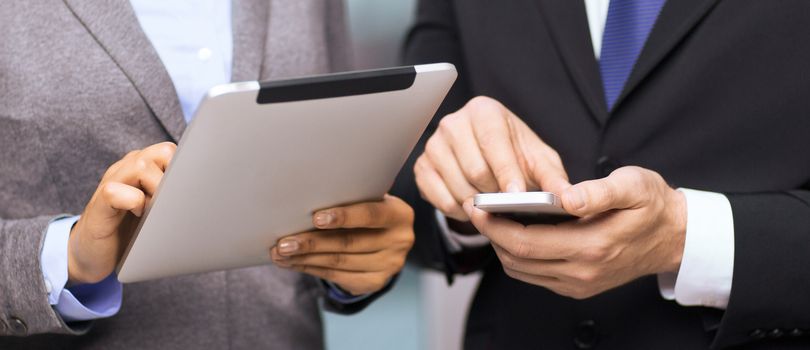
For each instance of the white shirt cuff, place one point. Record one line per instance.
(666, 285)
(85, 302)
(707, 267)
(457, 242)
(91, 301)
(54, 256)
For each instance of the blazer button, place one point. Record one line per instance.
(796, 332)
(776, 333)
(17, 327)
(605, 165)
(757, 334)
(586, 335)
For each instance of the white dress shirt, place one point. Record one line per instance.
(194, 42)
(707, 266)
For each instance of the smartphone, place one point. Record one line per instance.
(528, 208)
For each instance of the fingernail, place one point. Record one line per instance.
(288, 247)
(468, 207)
(513, 187)
(576, 199)
(323, 219)
(276, 255)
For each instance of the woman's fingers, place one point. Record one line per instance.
(118, 198)
(143, 169)
(358, 241)
(389, 212)
(127, 185)
(161, 154)
(362, 262)
(356, 283)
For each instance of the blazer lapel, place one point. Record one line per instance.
(115, 27)
(676, 20)
(250, 23)
(568, 24)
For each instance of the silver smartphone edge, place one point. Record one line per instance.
(525, 202)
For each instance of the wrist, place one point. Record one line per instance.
(343, 292)
(78, 271)
(78, 275)
(75, 274)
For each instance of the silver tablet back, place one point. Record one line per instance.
(259, 159)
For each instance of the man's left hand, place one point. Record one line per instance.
(631, 224)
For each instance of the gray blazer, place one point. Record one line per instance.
(80, 86)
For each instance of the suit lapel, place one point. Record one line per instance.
(249, 37)
(676, 20)
(568, 24)
(115, 27)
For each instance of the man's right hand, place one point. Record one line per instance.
(484, 147)
(99, 237)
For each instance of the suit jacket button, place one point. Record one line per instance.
(17, 327)
(757, 334)
(586, 335)
(776, 333)
(796, 332)
(605, 165)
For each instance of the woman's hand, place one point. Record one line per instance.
(359, 248)
(108, 221)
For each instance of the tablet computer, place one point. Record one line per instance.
(259, 158)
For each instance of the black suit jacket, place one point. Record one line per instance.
(719, 100)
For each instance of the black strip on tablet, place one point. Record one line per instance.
(336, 85)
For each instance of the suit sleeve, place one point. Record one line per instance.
(24, 306)
(771, 286)
(434, 38)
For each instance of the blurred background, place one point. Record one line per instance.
(421, 312)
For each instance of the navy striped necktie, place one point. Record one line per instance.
(629, 23)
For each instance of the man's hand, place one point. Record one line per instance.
(108, 221)
(484, 147)
(633, 224)
(360, 248)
